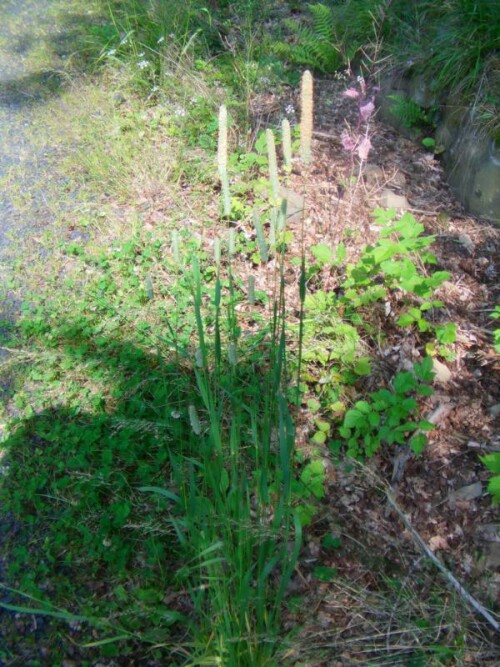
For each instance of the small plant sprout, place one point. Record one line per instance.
(232, 242)
(287, 144)
(175, 246)
(251, 290)
(222, 161)
(273, 165)
(232, 353)
(217, 251)
(194, 420)
(259, 232)
(306, 117)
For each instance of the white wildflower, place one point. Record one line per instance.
(142, 64)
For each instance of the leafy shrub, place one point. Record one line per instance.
(385, 415)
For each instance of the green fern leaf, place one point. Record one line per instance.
(407, 111)
(323, 21)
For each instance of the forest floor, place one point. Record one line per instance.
(441, 491)
(385, 591)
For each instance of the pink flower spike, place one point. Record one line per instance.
(348, 142)
(366, 110)
(352, 93)
(364, 148)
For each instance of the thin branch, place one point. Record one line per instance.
(444, 571)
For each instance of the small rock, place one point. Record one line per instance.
(466, 241)
(398, 180)
(494, 411)
(442, 372)
(488, 532)
(468, 492)
(438, 543)
(118, 99)
(389, 199)
(487, 537)
(373, 174)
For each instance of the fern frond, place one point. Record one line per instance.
(407, 111)
(323, 21)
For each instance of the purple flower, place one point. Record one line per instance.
(348, 143)
(366, 110)
(352, 93)
(364, 148)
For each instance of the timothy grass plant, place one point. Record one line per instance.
(235, 481)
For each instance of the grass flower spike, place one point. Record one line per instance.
(287, 144)
(222, 161)
(306, 118)
(273, 164)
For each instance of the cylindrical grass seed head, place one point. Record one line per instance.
(194, 420)
(222, 161)
(273, 164)
(306, 117)
(232, 242)
(217, 251)
(222, 145)
(251, 290)
(287, 143)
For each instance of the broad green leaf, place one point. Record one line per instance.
(322, 425)
(331, 542)
(319, 438)
(305, 514)
(424, 370)
(322, 253)
(494, 489)
(384, 251)
(313, 404)
(352, 418)
(341, 253)
(447, 333)
(418, 443)
(405, 320)
(313, 477)
(363, 406)
(404, 382)
(324, 573)
(383, 216)
(362, 366)
(492, 462)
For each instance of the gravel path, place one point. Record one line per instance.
(27, 79)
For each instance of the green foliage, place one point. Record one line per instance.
(174, 481)
(408, 112)
(394, 263)
(385, 416)
(492, 463)
(313, 46)
(496, 332)
(449, 42)
(327, 337)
